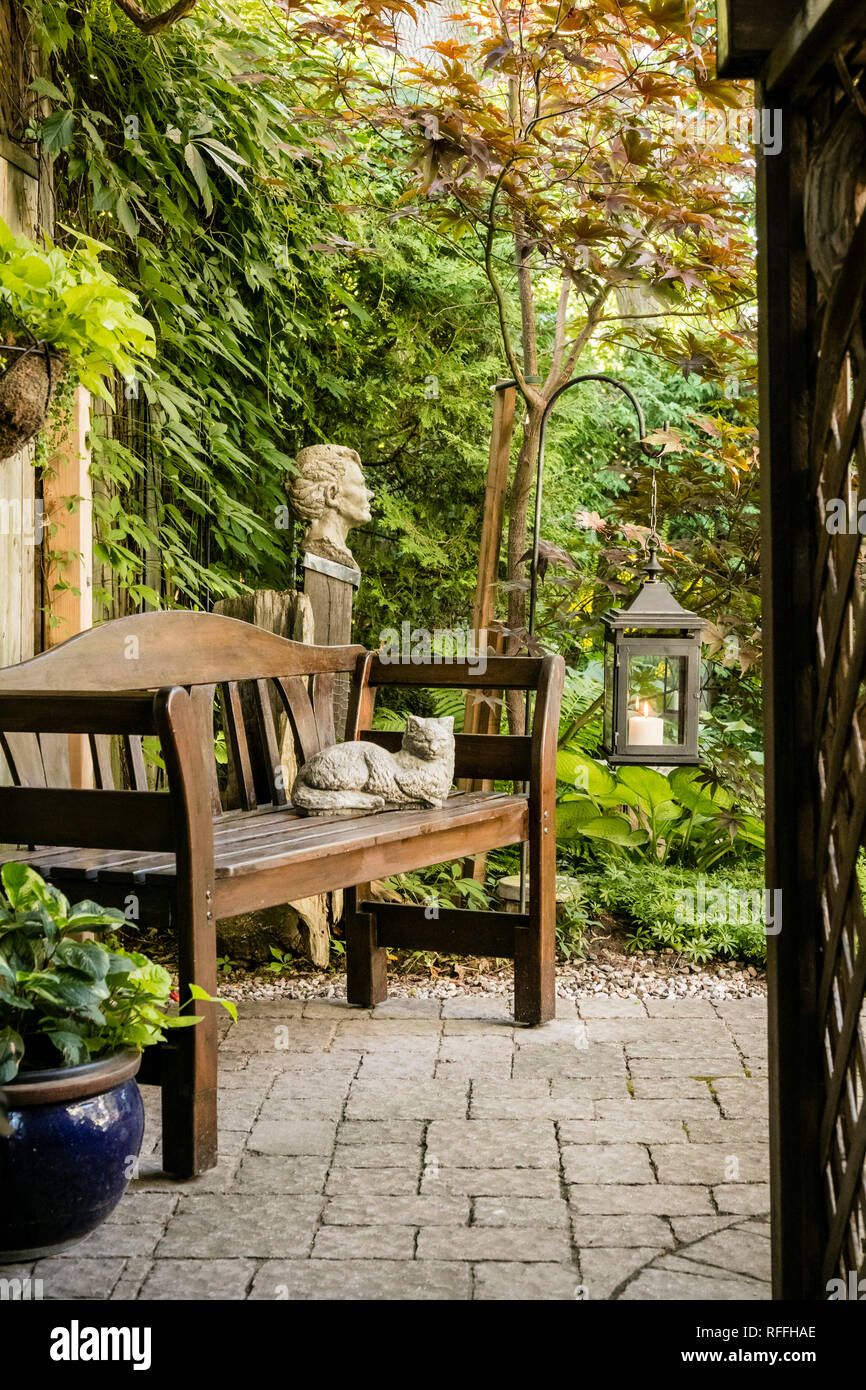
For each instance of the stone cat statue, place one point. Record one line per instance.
(350, 777)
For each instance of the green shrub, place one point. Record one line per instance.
(574, 917)
(656, 904)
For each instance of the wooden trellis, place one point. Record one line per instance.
(811, 64)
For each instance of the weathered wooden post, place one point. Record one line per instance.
(330, 588)
(329, 493)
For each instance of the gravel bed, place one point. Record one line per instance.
(610, 971)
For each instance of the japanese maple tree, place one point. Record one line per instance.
(554, 142)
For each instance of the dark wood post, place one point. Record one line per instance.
(330, 588)
(787, 564)
(189, 1066)
(535, 943)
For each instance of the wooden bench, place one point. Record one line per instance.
(188, 861)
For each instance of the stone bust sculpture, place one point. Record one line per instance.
(329, 492)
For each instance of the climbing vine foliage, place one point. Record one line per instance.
(283, 312)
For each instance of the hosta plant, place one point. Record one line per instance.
(637, 814)
(66, 1001)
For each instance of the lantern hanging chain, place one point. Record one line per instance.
(653, 568)
(653, 537)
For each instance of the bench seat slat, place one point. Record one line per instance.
(364, 831)
(372, 849)
(231, 828)
(287, 842)
(113, 865)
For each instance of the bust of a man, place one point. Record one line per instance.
(329, 492)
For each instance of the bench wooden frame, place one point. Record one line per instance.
(189, 862)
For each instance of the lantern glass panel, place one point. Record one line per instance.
(608, 709)
(656, 700)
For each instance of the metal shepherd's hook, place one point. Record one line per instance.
(648, 449)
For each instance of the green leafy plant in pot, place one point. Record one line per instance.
(74, 1017)
(60, 310)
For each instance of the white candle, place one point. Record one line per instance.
(646, 729)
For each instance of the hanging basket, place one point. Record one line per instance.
(27, 385)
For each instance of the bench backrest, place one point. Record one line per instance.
(253, 675)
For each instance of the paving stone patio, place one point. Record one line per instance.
(429, 1150)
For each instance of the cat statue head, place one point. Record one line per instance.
(429, 739)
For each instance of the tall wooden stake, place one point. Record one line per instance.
(482, 714)
(491, 533)
(68, 519)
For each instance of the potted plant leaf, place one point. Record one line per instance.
(60, 311)
(74, 1016)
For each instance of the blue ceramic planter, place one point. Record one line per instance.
(77, 1132)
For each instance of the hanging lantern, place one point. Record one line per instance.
(652, 671)
(652, 657)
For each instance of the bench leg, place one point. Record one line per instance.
(189, 1071)
(366, 960)
(535, 944)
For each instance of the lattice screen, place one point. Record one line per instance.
(836, 245)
